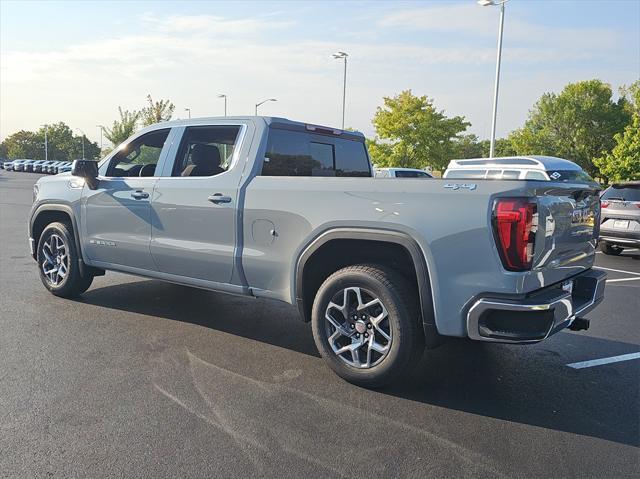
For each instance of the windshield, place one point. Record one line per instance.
(622, 193)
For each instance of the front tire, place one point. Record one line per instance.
(58, 262)
(608, 248)
(366, 325)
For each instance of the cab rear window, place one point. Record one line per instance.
(293, 153)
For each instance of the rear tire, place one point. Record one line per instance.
(368, 312)
(608, 248)
(58, 262)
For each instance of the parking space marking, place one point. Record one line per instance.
(600, 362)
(622, 279)
(618, 270)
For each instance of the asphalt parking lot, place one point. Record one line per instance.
(139, 378)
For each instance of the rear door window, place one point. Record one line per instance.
(206, 150)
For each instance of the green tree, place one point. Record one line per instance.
(23, 144)
(62, 144)
(411, 132)
(157, 111)
(578, 124)
(623, 161)
(122, 128)
(468, 146)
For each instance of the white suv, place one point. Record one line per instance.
(543, 168)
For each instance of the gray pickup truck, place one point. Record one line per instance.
(272, 208)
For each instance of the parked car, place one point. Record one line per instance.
(8, 165)
(18, 165)
(40, 167)
(272, 208)
(620, 226)
(29, 165)
(543, 168)
(53, 167)
(64, 168)
(401, 173)
(2, 162)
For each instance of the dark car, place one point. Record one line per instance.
(620, 223)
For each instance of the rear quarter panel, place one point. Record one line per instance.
(452, 228)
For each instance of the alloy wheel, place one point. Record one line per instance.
(357, 327)
(55, 259)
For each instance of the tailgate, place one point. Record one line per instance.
(568, 228)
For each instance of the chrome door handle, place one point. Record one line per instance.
(218, 198)
(139, 194)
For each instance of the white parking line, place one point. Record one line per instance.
(618, 270)
(600, 362)
(622, 279)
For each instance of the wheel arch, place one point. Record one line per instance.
(402, 243)
(49, 213)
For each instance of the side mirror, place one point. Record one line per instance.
(88, 170)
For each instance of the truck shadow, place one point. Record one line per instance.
(529, 385)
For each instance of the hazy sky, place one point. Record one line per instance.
(78, 61)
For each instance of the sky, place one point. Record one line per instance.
(78, 61)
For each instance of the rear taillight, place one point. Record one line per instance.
(515, 222)
(604, 204)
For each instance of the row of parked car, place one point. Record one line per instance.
(37, 166)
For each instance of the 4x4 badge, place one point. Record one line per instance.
(460, 186)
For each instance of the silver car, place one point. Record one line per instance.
(620, 228)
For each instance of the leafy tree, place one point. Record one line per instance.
(623, 161)
(468, 146)
(412, 133)
(578, 124)
(62, 144)
(23, 144)
(157, 111)
(123, 128)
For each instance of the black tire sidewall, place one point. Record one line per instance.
(402, 321)
(608, 248)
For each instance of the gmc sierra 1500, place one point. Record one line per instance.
(273, 208)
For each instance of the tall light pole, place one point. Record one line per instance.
(83, 135)
(337, 56)
(101, 130)
(222, 95)
(264, 101)
(46, 145)
(188, 110)
(492, 3)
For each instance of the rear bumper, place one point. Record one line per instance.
(537, 316)
(631, 238)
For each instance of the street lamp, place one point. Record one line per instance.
(188, 110)
(492, 3)
(46, 146)
(222, 95)
(83, 135)
(337, 56)
(265, 101)
(101, 130)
